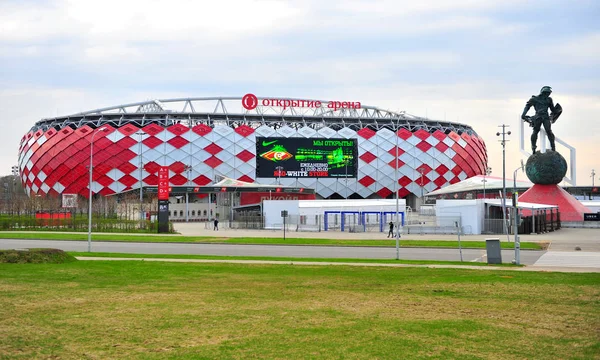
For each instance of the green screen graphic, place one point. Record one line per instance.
(306, 157)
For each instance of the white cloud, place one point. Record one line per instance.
(580, 50)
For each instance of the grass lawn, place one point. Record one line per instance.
(265, 241)
(286, 259)
(133, 309)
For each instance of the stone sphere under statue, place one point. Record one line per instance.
(546, 168)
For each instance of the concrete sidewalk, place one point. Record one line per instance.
(324, 263)
(565, 239)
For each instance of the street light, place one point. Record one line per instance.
(421, 170)
(188, 169)
(279, 169)
(593, 174)
(396, 190)
(90, 187)
(141, 133)
(516, 217)
(503, 142)
(522, 168)
(487, 172)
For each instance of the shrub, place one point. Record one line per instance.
(35, 256)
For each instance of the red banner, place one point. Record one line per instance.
(163, 183)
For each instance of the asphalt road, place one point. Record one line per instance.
(528, 257)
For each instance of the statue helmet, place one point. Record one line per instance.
(547, 89)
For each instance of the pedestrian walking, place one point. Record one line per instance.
(391, 232)
(216, 223)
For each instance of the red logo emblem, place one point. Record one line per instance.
(249, 101)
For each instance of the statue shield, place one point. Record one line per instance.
(556, 113)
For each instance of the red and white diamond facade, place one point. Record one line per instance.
(199, 139)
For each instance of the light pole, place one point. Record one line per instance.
(516, 217)
(279, 168)
(421, 170)
(488, 171)
(396, 190)
(90, 187)
(141, 133)
(593, 174)
(188, 169)
(503, 142)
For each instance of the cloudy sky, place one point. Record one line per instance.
(471, 61)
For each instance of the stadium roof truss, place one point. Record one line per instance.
(228, 111)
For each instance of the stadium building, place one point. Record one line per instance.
(341, 149)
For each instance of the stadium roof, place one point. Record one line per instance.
(230, 111)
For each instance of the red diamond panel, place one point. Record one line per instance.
(201, 129)
(127, 168)
(245, 156)
(366, 181)
(439, 135)
(151, 180)
(128, 180)
(106, 192)
(454, 180)
(393, 163)
(367, 157)
(246, 178)
(456, 170)
(404, 181)
(425, 168)
(454, 136)
(178, 180)
(152, 129)
(244, 130)
(178, 142)
(366, 133)
(440, 181)
(104, 180)
(422, 180)
(151, 167)
(422, 134)
(213, 149)
(177, 167)
(202, 180)
(442, 169)
(402, 193)
(404, 134)
(396, 151)
(213, 162)
(424, 146)
(384, 192)
(178, 129)
(128, 130)
(152, 142)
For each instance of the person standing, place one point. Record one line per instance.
(216, 223)
(391, 232)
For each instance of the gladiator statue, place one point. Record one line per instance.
(541, 103)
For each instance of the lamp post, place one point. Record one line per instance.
(488, 171)
(141, 133)
(188, 169)
(593, 174)
(396, 190)
(516, 217)
(279, 169)
(90, 187)
(421, 170)
(503, 142)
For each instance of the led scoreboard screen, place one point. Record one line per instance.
(306, 157)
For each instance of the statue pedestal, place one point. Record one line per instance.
(570, 208)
